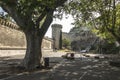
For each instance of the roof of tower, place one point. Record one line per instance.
(57, 25)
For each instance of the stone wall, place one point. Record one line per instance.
(11, 38)
(47, 43)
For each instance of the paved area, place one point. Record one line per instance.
(11, 58)
(85, 69)
(81, 68)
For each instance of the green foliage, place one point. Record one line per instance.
(104, 15)
(108, 27)
(65, 43)
(109, 48)
(29, 13)
(60, 40)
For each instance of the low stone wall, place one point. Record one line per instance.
(6, 53)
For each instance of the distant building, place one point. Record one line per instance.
(57, 36)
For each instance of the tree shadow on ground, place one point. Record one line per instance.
(10, 67)
(91, 69)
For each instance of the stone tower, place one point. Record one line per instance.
(56, 35)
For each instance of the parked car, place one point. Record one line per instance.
(83, 51)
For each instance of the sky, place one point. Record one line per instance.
(65, 22)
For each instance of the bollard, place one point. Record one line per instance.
(46, 62)
(72, 55)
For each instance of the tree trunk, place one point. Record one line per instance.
(33, 55)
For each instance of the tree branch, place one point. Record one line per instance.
(13, 13)
(114, 15)
(47, 22)
(39, 19)
(59, 3)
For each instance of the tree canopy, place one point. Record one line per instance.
(30, 12)
(101, 14)
(34, 18)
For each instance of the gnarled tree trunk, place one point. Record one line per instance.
(33, 55)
